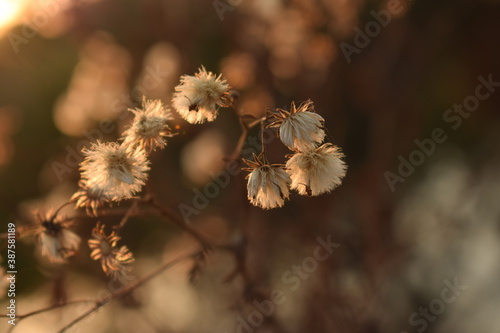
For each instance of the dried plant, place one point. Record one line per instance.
(114, 172)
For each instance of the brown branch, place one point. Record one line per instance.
(50, 308)
(58, 210)
(262, 128)
(26, 230)
(20, 231)
(130, 288)
(245, 127)
(130, 211)
(29, 314)
(170, 215)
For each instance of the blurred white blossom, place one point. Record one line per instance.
(150, 126)
(56, 241)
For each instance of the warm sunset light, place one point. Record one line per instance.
(9, 12)
(249, 166)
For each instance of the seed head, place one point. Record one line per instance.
(317, 171)
(267, 183)
(56, 241)
(113, 260)
(301, 128)
(114, 171)
(198, 97)
(150, 126)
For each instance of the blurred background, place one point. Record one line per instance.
(418, 231)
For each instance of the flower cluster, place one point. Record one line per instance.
(311, 170)
(115, 171)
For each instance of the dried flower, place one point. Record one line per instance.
(267, 183)
(114, 171)
(57, 243)
(300, 128)
(90, 198)
(317, 171)
(197, 97)
(149, 127)
(113, 260)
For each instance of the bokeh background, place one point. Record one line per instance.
(68, 68)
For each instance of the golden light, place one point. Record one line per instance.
(10, 11)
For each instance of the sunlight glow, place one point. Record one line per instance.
(10, 10)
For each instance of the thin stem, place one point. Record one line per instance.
(27, 230)
(50, 308)
(173, 217)
(29, 314)
(255, 122)
(235, 109)
(58, 210)
(235, 155)
(131, 210)
(245, 130)
(245, 127)
(130, 288)
(114, 212)
(20, 231)
(262, 128)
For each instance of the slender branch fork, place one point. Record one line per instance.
(244, 134)
(131, 287)
(125, 291)
(169, 215)
(49, 308)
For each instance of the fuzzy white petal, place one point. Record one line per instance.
(150, 126)
(57, 247)
(317, 171)
(114, 170)
(268, 187)
(197, 97)
(300, 129)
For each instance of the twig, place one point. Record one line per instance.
(131, 210)
(50, 308)
(60, 208)
(25, 230)
(173, 217)
(29, 314)
(20, 231)
(235, 155)
(262, 128)
(130, 288)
